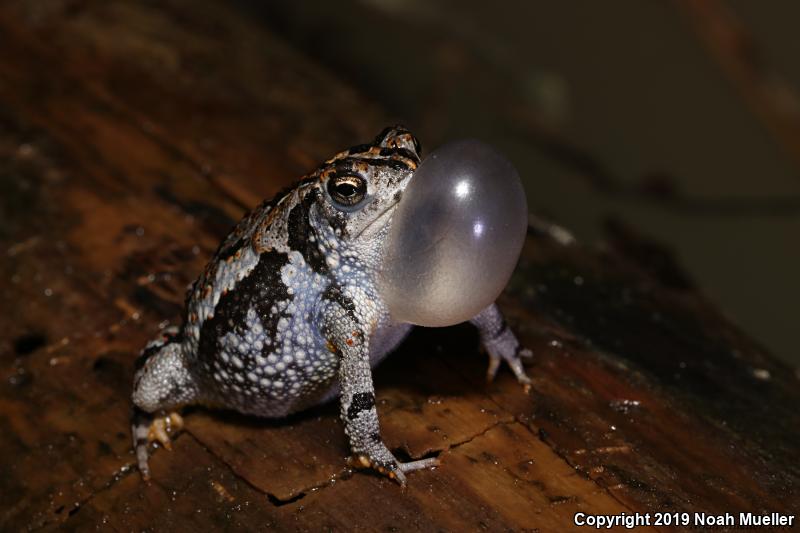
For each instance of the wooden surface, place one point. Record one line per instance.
(134, 134)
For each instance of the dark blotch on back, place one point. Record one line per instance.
(359, 149)
(228, 251)
(299, 230)
(388, 152)
(396, 164)
(259, 290)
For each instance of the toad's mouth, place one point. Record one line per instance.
(378, 222)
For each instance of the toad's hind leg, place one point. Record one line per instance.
(162, 385)
(147, 429)
(501, 344)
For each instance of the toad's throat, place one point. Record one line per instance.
(378, 222)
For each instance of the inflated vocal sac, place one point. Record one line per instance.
(455, 237)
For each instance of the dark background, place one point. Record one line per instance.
(680, 119)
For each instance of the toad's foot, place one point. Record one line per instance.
(501, 344)
(394, 470)
(147, 429)
(512, 354)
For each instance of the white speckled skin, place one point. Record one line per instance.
(287, 314)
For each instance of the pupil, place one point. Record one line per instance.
(346, 189)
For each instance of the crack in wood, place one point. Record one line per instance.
(121, 473)
(272, 498)
(343, 475)
(541, 436)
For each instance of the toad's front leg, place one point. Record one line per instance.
(350, 341)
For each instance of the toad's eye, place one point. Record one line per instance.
(347, 190)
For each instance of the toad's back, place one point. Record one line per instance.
(250, 333)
